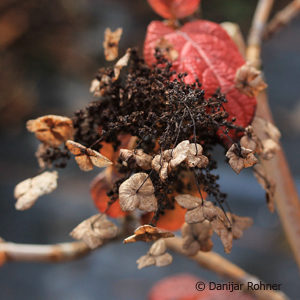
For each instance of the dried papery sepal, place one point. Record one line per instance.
(121, 63)
(87, 158)
(269, 136)
(111, 43)
(197, 237)
(28, 191)
(95, 230)
(137, 192)
(155, 256)
(267, 184)
(148, 233)
(240, 157)
(142, 159)
(52, 130)
(249, 81)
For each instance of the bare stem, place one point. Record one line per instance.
(43, 253)
(221, 266)
(260, 18)
(282, 18)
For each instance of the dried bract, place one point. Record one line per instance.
(267, 184)
(87, 158)
(240, 157)
(156, 256)
(197, 237)
(51, 129)
(195, 157)
(95, 230)
(111, 43)
(249, 81)
(249, 140)
(148, 233)
(122, 62)
(142, 159)
(137, 192)
(28, 191)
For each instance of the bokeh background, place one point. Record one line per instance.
(49, 52)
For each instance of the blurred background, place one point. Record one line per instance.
(49, 52)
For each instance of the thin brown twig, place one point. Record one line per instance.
(260, 18)
(221, 266)
(282, 18)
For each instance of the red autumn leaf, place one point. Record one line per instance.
(99, 187)
(174, 9)
(206, 52)
(172, 219)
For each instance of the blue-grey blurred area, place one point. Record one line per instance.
(50, 51)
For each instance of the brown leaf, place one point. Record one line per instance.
(142, 159)
(248, 80)
(167, 49)
(267, 184)
(28, 191)
(94, 230)
(240, 158)
(111, 43)
(51, 129)
(148, 233)
(137, 192)
(87, 158)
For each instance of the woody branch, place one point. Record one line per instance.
(286, 197)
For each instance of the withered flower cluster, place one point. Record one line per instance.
(170, 129)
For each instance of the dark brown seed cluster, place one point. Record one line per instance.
(154, 105)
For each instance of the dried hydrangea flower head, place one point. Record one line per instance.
(111, 43)
(51, 129)
(95, 230)
(137, 192)
(87, 158)
(155, 256)
(240, 157)
(249, 81)
(28, 191)
(148, 233)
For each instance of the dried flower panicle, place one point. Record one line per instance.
(156, 255)
(111, 43)
(28, 191)
(95, 230)
(51, 129)
(249, 81)
(148, 233)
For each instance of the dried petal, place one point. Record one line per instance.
(86, 158)
(94, 230)
(188, 201)
(111, 42)
(148, 233)
(137, 192)
(240, 158)
(122, 62)
(224, 233)
(249, 140)
(158, 248)
(248, 80)
(195, 157)
(239, 224)
(28, 191)
(145, 261)
(51, 129)
(163, 260)
(142, 159)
